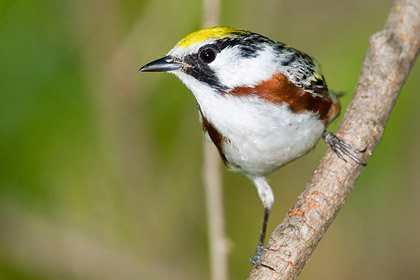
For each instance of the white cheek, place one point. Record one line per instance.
(233, 70)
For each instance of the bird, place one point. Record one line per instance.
(263, 103)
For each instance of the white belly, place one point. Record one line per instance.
(260, 136)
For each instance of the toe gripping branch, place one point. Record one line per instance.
(340, 147)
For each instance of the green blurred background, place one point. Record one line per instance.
(100, 166)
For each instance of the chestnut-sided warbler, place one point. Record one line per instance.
(261, 102)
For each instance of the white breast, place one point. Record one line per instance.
(261, 136)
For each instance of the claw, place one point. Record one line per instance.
(340, 147)
(256, 259)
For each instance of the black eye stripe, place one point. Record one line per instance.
(202, 71)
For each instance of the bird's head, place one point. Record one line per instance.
(221, 58)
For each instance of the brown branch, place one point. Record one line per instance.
(388, 61)
(218, 245)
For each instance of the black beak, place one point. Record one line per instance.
(163, 64)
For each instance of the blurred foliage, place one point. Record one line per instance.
(100, 173)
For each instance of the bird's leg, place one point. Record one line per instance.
(266, 195)
(340, 147)
(260, 248)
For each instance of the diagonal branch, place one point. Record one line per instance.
(388, 61)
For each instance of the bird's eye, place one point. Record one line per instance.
(207, 55)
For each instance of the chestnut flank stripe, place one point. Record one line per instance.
(280, 90)
(214, 135)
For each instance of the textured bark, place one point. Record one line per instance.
(388, 61)
(212, 178)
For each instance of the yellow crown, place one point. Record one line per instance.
(207, 33)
